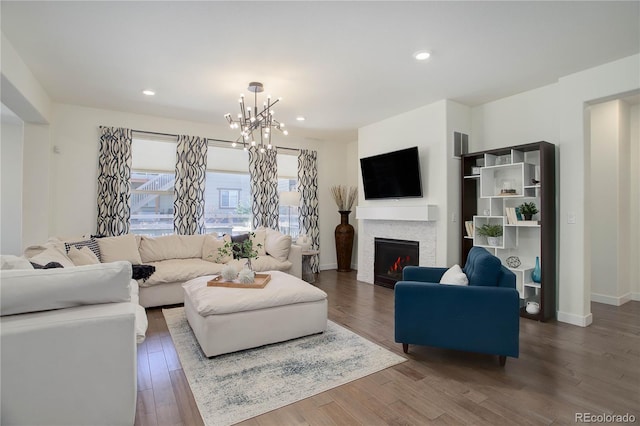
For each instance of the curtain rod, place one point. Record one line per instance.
(208, 139)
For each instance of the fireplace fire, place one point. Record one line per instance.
(391, 256)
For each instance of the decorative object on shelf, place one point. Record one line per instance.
(528, 210)
(492, 232)
(475, 170)
(468, 224)
(229, 272)
(304, 241)
(289, 199)
(250, 120)
(513, 261)
(534, 181)
(344, 198)
(246, 276)
(508, 192)
(533, 308)
(536, 274)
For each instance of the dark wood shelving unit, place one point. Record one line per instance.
(515, 166)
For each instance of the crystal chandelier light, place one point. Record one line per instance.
(255, 126)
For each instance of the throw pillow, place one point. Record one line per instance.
(52, 254)
(91, 243)
(211, 246)
(277, 245)
(82, 256)
(50, 265)
(124, 247)
(238, 239)
(454, 276)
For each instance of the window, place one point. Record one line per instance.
(288, 215)
(152, 185)
(229, 198)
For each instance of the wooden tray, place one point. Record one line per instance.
(260, 281)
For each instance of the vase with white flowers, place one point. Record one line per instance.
(344, 197)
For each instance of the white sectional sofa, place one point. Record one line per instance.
(176, 258)
(68, 341)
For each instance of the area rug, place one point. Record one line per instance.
(234, 387)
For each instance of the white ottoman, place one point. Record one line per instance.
(232, 319)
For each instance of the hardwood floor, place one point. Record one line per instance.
(562, 370)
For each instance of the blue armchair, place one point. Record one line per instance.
(481, 317)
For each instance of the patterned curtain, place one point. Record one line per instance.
(263, 172)
(114, 181)
(191, 173)
(308, 188)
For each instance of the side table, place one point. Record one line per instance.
(307, 273)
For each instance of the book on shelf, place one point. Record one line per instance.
(469, 226)
(528, 223)
(512, 219)
(518, 214)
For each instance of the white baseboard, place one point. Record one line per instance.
(635, 296)
(573, 319)
(611, 300)
(328, 266)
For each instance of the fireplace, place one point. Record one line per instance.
(390, 257)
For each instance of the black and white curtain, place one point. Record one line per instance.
(308, 188)
(114, 181)
(191, 173)
(263, 173)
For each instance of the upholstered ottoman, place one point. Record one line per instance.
(232, 319)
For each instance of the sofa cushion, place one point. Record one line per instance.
(9, 261)
(155, 249)
(45, 289)
(482, 268)
(179, 270)
(123, 247)
(82, 256)
(262, 264)
(277, 245)
(52, 254)
(211, 249)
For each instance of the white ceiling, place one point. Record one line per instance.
(341, 64)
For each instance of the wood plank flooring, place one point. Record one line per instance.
(562, 370)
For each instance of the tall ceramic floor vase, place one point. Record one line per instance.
(344, 242)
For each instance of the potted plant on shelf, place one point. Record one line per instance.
(492, 232)
(527, 210)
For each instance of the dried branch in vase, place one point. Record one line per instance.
(344, 196)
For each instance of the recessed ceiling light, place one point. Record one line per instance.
(300, 118)
(148, 92)
(422, 55)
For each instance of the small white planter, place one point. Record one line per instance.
(493, 241)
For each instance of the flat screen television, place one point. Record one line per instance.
(392, 175)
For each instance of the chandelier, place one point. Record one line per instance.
(255, 127)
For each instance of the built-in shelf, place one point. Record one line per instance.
(422, 213)
(505, 181)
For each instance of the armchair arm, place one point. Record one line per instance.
(295, 257)
(478, 319)
(422, 273)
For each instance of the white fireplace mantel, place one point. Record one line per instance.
(421, 213)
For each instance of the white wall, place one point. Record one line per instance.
(426, 128)
(73, 169)
(555, 113)
(11, 136)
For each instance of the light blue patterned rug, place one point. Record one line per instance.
(231, 388)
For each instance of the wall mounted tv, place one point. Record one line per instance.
(392, 175)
